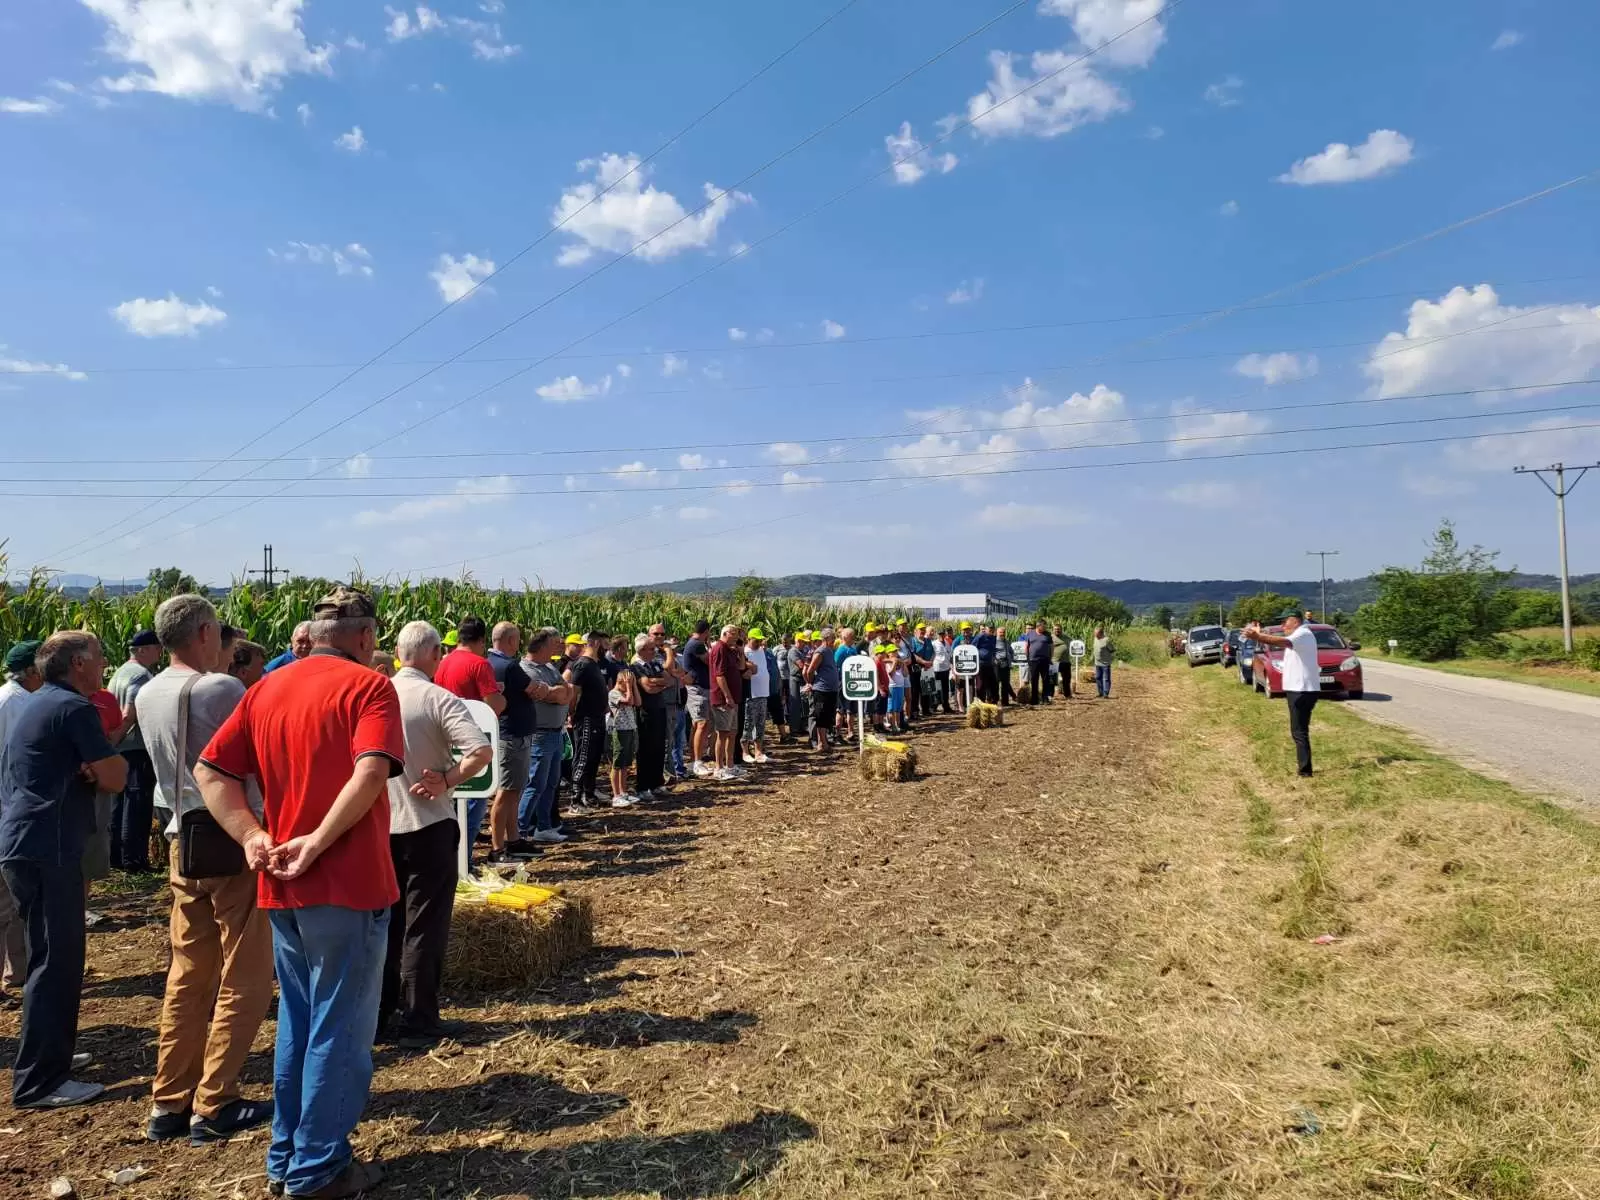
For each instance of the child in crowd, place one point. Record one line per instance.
(624, 722)
(895, 667)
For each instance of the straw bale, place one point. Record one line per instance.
(984, 716)
(494, 949)
(881, 764)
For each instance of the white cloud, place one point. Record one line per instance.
(235, 51)
(832, 331)
(735, 334)
(1507, 39)
(1225, 92)
(303, 111)
(672, 365)
(1052, 96)
(468, 493)
(789, 453)
(695, 512)
(350, 259)
(1384, 150)
(214, 292)
(1520, 345)
(456, 277)
(166, 318)
(359, 467)
(965, 292)
(1204, 430)
(22, 366)
(1207, 494)
(692, 462)
(764, 335)
(569, 389)
(911, 159)
(354, 141)
(1014, 515)
(403, 26)
(1550, 439)
(1230, 208)
(634, 213)
(634, 473)
(352, 42)
(1154, 134)
(1273, 369)
(1096, 22)
(494, 49)
(40, 106)
(624, 370)
(487, 42)
(794, 481)
(712, 370)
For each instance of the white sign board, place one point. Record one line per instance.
(1019, 650)
(485, 782)
(858, 677)
(1077, 648)
(964, 660)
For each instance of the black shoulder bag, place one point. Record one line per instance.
(205, 850)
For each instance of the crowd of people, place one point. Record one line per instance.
(307, 811)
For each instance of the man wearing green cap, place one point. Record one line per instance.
(1302, 679)
(22, 680)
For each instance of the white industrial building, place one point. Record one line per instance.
(934, 606)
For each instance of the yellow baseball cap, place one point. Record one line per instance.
(966, 625)
(757, 634)
(451, 639)
(575, 639)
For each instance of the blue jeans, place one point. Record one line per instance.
(1102, 681)
(677, 736)
(477, 809)
(330, 974)
(537, 808)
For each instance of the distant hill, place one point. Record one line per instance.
(1027, 588)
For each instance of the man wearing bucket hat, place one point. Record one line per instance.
(323, 740)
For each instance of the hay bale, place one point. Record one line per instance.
(881, 764)
(496, 949)
(984, 716)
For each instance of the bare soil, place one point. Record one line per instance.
(804, 985)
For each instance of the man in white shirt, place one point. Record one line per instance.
(759, 682)
(23, 679)
(1302, 679)
(423, 836)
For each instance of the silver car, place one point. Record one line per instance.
(1203, 644)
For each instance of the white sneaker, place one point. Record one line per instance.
(548, 837)
(81, 1060)
(68, 1094)
(737, 771)
(623, 801)
(762, 758)
(725, 774)
(703, 770)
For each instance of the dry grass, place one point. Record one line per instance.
(985, 716)
(496, 949)
(881, 764)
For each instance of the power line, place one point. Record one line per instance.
(809, 343)
(948, 132)
(1177, 417)
(527, 249)
(737, 486)
(1561, 490)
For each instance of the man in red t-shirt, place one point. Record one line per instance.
(323, 741)
(467, 672)
(725, 664)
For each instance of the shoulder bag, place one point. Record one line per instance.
(205, 849)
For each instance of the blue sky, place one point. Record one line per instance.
(213, 213)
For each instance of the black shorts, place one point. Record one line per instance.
(824, 710)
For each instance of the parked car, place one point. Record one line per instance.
(1336, 661)
(1203, 644)
(1230, 647)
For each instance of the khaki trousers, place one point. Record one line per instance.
(218, 990)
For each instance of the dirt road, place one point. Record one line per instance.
(1538, 737)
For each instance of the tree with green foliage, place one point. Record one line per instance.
(1161, 616)
(750, 591)
(1205, 613)
(1458, 597)
(1265, 607)
(169, 581)
(1080, 604)
(1531, 607)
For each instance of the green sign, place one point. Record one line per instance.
(859, 678)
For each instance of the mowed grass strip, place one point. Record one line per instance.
(1442, 1044)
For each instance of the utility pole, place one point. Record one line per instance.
(1560, 491)
(268, 571)
(1323, 555)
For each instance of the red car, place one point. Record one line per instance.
(1336, 658)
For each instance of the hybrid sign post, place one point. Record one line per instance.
(964, 662)
(858, 678)
(485, 783)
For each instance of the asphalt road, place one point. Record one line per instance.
(1546, 740)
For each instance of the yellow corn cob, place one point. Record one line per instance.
(532, 894)
(505, 899)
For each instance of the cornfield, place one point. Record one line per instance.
(36, 609)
